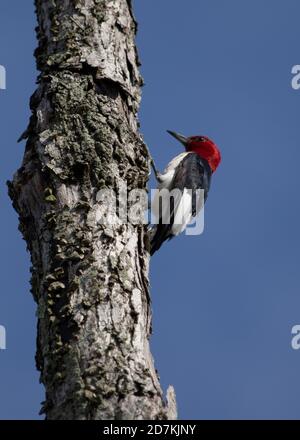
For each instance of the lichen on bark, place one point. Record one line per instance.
(90, 281)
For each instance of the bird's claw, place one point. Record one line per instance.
(157, 173)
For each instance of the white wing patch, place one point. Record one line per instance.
(165, 180)
(183, 213)
(179, 199)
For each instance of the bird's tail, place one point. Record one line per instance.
(158, 234)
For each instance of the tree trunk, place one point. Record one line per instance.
(90, 280)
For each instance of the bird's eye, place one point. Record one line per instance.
(201, 139)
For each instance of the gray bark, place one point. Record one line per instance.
(90, 281)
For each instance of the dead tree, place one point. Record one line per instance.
(90, 281)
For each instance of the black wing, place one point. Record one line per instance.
(192, 173)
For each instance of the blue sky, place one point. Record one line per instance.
(225, 301)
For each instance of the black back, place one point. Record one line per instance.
(192, 173)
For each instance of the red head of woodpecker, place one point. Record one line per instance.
(187, 172)
(202, 146)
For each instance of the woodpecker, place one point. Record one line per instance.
(187, 172)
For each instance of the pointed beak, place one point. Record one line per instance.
(179, 137)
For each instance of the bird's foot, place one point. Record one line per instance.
(157, 173)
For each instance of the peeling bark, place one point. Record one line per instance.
(90, 282)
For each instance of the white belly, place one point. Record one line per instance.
(165, 180)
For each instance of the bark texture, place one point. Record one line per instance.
(90, 281)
